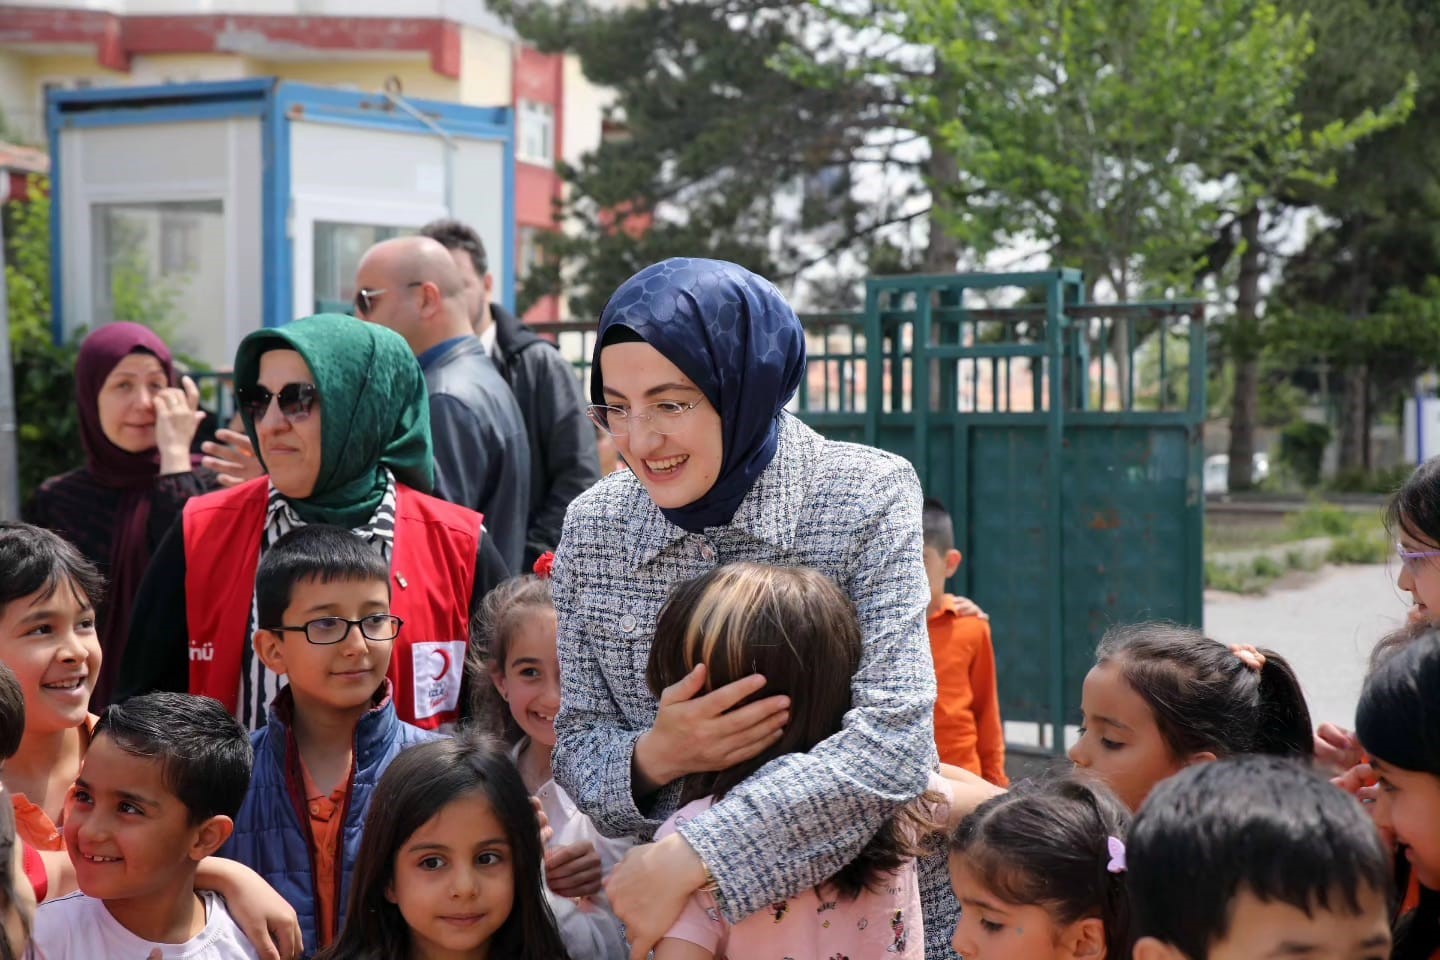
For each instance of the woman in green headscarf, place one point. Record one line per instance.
(337, 413)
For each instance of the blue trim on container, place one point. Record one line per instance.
(57, 263)
(277, 246)
(508, 188)
(254, 87)
(176, 113)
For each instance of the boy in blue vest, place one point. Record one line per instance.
(322, 605)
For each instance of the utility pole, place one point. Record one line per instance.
(9, 435)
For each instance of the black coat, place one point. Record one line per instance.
(563, 460)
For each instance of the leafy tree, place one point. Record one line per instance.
(717, 148)
(44, 373)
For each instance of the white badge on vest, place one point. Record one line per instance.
(438, 666)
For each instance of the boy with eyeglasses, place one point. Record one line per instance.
(322, 599)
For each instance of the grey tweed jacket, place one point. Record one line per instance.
(852, 513)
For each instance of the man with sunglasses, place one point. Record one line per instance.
(564, 462)
(482, 454)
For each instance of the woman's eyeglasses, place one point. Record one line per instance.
(329, 630)
(665, 417)
(296, 401)
(1412, 557)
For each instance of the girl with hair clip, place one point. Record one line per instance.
(1040, 873)
(1398, 723)
(515, 674)
(450, 862)
(796, 628)
(1161, 697)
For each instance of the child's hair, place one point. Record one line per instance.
(1398, 723)
(936, 526)
(315, 552)
(1048, 844)
(1268, 826)
(415, 788)
(1206, 698)
(204, 754)
(1398, 718)
(36, 560)
(12, 713)
(798, 629)
(9, 899)
(501, 613)
(1415, 507)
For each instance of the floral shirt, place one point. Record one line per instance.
(880, 923)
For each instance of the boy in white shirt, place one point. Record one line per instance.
(160, 783)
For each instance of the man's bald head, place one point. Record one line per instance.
(416, 259)
(416, 290)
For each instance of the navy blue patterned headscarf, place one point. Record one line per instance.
(733, 334)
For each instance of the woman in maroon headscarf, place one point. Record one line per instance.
(136, 426)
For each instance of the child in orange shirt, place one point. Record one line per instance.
(968, 732)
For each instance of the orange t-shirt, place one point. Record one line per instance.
(326, 821)
(32, 824)
(968, 732)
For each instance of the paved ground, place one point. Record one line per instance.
(1324, 623)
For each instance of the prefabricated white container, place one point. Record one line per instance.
(248, 203)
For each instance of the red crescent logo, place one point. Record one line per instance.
(444, 663)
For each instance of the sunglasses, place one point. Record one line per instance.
(296, 400)
(365, 299)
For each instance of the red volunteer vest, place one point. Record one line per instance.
(432, 574)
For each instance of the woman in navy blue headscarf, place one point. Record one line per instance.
(694, 364)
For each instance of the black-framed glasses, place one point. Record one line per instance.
(365, 299)
(665, 417)
(324, 631)
(296, 400)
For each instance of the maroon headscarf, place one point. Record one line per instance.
(133, 473)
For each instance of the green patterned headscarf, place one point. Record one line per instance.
(375, 413)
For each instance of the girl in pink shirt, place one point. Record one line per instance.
(798, 630)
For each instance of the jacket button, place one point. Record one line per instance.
(627, 623)
(707, 552)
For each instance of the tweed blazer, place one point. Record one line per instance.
(849, 511)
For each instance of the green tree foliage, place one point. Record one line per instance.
(49, 435)
(715, 147)
(1360, 298)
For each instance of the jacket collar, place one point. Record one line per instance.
(377, 725)
(459, 347)
(512, 335)
(770, 512)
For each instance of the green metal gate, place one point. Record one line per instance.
(1065, 439)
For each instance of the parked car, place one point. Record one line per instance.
(1217, 471)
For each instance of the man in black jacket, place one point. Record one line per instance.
(482, 454)
(563, 459)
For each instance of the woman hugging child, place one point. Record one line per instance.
(797, 629)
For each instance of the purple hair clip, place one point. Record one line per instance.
(1117, 854)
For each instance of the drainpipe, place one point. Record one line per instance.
(392, 93)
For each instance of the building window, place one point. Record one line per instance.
(537, 133)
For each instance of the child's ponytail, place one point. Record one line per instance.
(1284, 728)
(1207, 697)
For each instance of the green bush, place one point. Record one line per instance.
(1386, 480)
(1302, 448)
(49, 433)
(1370, 547)
(1266, 567)
(1320, 519)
